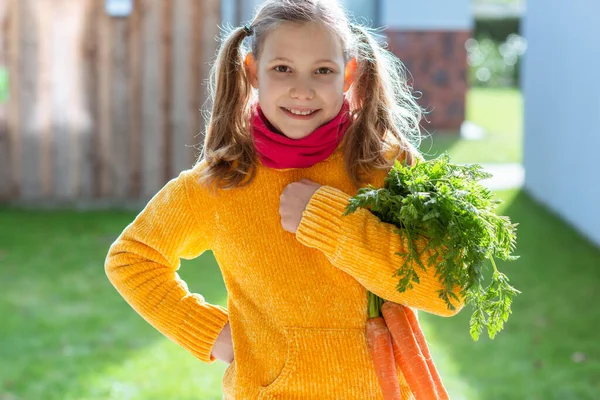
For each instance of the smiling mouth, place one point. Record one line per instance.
(302, 114)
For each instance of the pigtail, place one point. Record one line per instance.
(228, 143)
(386, 110)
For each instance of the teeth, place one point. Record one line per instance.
(300, 112)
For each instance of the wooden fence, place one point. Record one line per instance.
(101, 108)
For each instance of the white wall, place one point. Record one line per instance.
(364, 11)
(403, 14)
(426, 14)
(228, 12)
(561, 90)
(360, 8)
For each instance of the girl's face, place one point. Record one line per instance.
(300, 70)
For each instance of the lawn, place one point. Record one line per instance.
(549, 347)
(67, 334)
(500, 113)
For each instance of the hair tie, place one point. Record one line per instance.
(248, 30)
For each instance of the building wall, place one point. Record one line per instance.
(437, 66)
(562, 109)
(429, 38)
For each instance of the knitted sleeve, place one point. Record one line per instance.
(363, 246)
(142, 265)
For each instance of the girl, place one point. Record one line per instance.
(314, 111)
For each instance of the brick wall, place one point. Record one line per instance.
(437, 61)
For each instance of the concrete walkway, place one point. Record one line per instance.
(506, 176)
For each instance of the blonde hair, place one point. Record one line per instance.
(386, 119)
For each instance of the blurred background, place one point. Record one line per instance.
(99, 108)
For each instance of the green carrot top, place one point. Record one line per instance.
(448, 206)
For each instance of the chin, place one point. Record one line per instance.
(294, 136)
(294, 133)
(299, 135)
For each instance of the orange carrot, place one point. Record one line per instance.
(418, 333)
(407, 352)
(379, 341)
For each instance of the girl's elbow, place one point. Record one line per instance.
(113, 264)
(451, 312)
(110, 269)
(457, 306)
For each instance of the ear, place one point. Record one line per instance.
(251, 69)
(349, 74)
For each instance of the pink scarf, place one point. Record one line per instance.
(276, 150)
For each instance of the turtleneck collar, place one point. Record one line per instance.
(275, 150)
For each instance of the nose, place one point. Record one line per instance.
(301, 90)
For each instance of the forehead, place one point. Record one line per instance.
(302, 42)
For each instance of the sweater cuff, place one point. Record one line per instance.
(201, 328)
(320, 224)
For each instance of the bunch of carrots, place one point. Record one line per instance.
(444, 203)
(397, 338)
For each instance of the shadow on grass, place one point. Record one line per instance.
(549, 346)
(62, 319)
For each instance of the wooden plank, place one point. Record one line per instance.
(135, 87)
(104, 109)
(135, 113)
(30, 114)
(211, 18)
(180, 116)
(62, 32)
(13, 118)
(5, 148)
(166, 106)
(44, 16)
(88, 144)
(152, 116)
(210, 14)
(79, 115)
(195, 78)
(119, 105)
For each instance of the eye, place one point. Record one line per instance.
(280, 66)
(327, 70)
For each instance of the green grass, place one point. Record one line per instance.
(553, 318)
(67, 334)
(500, 112)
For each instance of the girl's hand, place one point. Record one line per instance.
(293, 201)
(223, 348)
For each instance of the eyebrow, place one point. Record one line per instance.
(290, 61)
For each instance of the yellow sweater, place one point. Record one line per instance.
(297, 303)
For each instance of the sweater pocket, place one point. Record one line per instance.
(325, 363)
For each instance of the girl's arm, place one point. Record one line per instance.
(143, 261)
(363, 246)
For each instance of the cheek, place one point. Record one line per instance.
(332, 90)
(271, 92)
(267, 91)
(270, 82)
(335, 85)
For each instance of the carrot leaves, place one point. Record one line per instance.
(447, 206)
